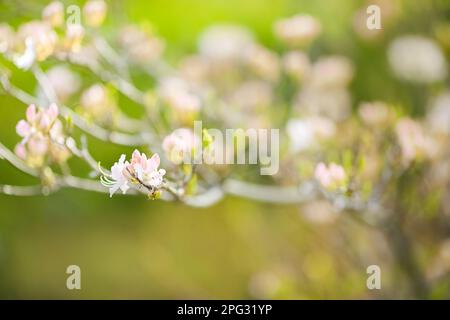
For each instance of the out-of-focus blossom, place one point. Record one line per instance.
(181, 145)
(414, 143)
(306, 133)
(195, 68)
(332, 176)
(296, 64)
(331, 103)
(6, 38)
(417, 59)
(331, 72)
(41, 134)
(53, 13)
(141, 46)
(438, 118)
(94, 12)
(73, 38)
(28, 57)
(176, 93)
(374, 113)
(140, 173)
(263, 62)
(86, 56)
(42, 35)
(251, 96)
(64, 82)
(224, 42)
(98, 103)
(325, 92)
(297, 30)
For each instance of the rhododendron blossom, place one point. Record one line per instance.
(140, 173)
(41, 133)
(180, 145)
(331, 176)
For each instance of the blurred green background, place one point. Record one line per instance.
(130, 247)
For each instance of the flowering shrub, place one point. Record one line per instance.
(360, 162)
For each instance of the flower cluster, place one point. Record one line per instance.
(331, 177)
(42, 137)
(37, 40)
(139, 173)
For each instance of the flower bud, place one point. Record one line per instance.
(54, 14)
(94, 12)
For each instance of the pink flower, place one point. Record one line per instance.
(141, 172)
(145, 168)
(331, 176)
(179, 145)
(42, 133)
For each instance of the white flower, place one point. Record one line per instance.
(26, 60)
(417, 59)
(331, 72)
(94, 12)
(118, 176)
(374, 113)
(64, 82)
(54, 13)
(178, 95)
(296, 64)
(304, 133)
(6, 37)
(43, 36)
(298, 30)
(224, 42)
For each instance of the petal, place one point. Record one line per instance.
(20, 151)
(23, 128)
(45, 121)
(124, 187)
(136, 154)
(31, 113)
(113, 189)
(122, 159)
(153, 162)
(52, 112)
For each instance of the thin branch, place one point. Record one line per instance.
(6, 154)
(22, 191)
(270, 194)
(92, 129)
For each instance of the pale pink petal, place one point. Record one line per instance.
(20, 151)
(23, 128)
(52, 112)
(31, 113)
(136, 157)
(153, 162)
